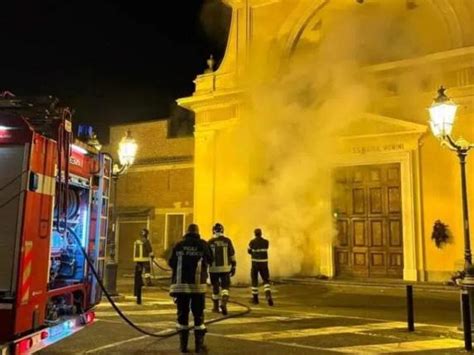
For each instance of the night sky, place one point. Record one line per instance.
(112, 61)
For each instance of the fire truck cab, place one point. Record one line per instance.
(54, 200)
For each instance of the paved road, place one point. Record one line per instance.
(307, 319)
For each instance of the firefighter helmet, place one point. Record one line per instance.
(193, 228)
(144, 232)
(258, 232)
(218, 228)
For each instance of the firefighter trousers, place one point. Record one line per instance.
(145, 265)
(260, 268)
(194, 301)
(220, 280)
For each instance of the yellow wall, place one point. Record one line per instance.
(285, 55)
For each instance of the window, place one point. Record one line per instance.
(174, 227)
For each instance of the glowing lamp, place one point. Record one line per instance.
(127, 150)
(442, 114)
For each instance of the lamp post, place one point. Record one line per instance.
(442, 117)
(127, 152)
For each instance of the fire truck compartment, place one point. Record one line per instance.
(12, 179)
(67, 264)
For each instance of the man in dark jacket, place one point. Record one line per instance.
(143, 255)
(258, 249)
(222, 267)
(189, 261)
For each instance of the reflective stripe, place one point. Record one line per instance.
(182, 326)
(138, 256)
(27, 268)
(200, 327)
(259, 260)
(187, 288)
(225, 256)
(46, 185)
(147, 275)
(179, 269)
(213, 251)
(266, 287)
(216, 297)
(218, 269)
(259, 250)
(232, 258)
(254, 290)
(197, 274)
(225, 292)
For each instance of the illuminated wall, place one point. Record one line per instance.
(306, 86)
(156, 189)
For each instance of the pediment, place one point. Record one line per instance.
(372, 125)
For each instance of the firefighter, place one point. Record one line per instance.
(222, 267)
(258, 249)
(189, 261)
(143, 255)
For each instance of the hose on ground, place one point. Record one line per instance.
(127, 320)
(161, 267)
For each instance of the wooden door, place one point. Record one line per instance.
(129, 232)
(367, 213)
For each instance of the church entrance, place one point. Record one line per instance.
(367, 212)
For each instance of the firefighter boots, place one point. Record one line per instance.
(215, 308)
(255, 299)
(148, 281)
(268, 295)
(199, 341)
(183, 340)
(225, 298)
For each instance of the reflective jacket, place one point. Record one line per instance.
(258, 249)
(142, 251)
(223, 254)
(189, 260)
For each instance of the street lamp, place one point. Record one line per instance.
(442, 118)
(127, 152)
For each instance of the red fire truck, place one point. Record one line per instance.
(54, 194)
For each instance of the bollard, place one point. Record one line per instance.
(410, 312)
(111, 278)
(138, 283)
(466, 318)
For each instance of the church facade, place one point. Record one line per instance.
(314, 127)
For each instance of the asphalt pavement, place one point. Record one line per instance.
(309, 318)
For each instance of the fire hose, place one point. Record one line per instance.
(160, 267)
(127, 320)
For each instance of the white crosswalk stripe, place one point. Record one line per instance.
(131, 304)
(435, 344)
(230, 321)
(109, 312)
(143, 312)
(165, 312)
(286, 338)
(308, 332)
